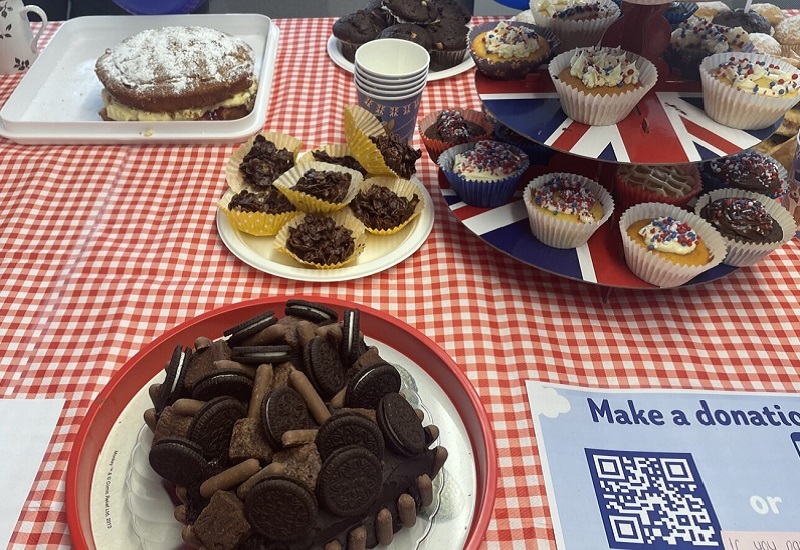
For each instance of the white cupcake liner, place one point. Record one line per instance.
(742, 254)
(574, 34)
(742, 110)
(656, 270)
(600, 110)
(482, 193)
(400, 187)
(554, 230)
(309, 203)
(234, 177)
(341, 217)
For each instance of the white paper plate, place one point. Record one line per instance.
(381, 252)
(336, 55)
(58, 99)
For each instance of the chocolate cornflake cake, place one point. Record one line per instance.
(381, 208)
(319, 240)
(264, 162)
(397, 154)
(324, 184)
(268, 201)
(346, 160)
(742, 219)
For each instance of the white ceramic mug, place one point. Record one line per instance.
(17, 42)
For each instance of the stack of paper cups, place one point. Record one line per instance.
(390, 75)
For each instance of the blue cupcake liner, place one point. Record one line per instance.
(678, 12)
(483, 194)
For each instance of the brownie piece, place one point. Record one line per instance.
(222, 525)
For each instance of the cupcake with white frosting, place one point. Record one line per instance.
(576, 23)
(601, 86)
(510, 50)
(697, 38)
(748, 91)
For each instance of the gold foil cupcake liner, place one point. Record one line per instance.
(359, 126)
(742, 254)
(260, 224)
(436, 147)
(555, 231)
(595, 109)
(342, 218)
(333, 149)
(658, 271)
(742, 110)
(309, 203)
(402, 188)
(581, 33)
(234, 177)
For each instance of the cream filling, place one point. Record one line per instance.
(117, 111)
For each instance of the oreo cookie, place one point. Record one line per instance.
(179, 461)
(172, 388)
(284, 409)
(351, 345)
(258, 355)
(349, 481)
(400, 425)
(218, 384)
(368, 386)
(212, 426)
(280, 508)
(311, 311)
(346, 429)
(242, 331)
(324, 367)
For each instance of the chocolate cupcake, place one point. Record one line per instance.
(748, 20)
(356, 29)
(441, 130)
(696, 39)
(451, 9)
(749, 170)
(409, 31)
(421, 12)
(449, 43)
(752, 225)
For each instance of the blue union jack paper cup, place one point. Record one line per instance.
(398, 115)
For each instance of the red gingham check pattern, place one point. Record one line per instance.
(105, 247)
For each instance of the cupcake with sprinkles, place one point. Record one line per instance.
(748, 91)
(696, 39)
(484, 173)
(667, 246)
(509, 50)
(749, 170)
(752, 225)
(564, 210)
(576, 23)
(600, 86)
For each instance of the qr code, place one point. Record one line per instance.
(653, 500)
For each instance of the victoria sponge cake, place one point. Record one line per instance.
(177, 73)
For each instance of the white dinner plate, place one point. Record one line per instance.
(380, 252)
(336, 55)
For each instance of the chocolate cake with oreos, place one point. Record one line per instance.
(322, 451)
(177, 73)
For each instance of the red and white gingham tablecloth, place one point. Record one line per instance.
(104, 247)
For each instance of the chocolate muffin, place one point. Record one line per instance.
(449, 43)
(742, 219)
(748, 20)
(412, 11)
(356, 29)
(451, 9)
(177, 73)
(409, 31)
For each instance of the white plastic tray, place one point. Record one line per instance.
(58, 100)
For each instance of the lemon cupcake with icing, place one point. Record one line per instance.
(510, 49)
(564, 210)
(748, 91)
(601, 86)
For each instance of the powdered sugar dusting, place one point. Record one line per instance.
(177, 58)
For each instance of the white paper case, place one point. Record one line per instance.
(556, 232)
(741, 109)
(576, 33)
(658, 271)
(743, 254)
(600, 110)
